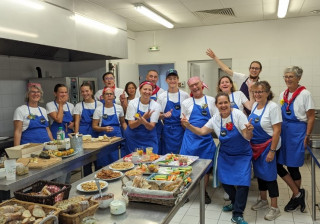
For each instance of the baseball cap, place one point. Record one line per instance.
(171, 72)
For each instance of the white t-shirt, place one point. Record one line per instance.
(239, 99)
(272, 115)
(78, 108)
(133, 105)
(301, 104)
(174, 97)
(239, 121)
(187, 105)
(22, 112)
(117, 93)
(154, 95)
(51, 107)
(109, 111)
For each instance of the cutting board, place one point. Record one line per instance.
(98, 144)
(42, 163)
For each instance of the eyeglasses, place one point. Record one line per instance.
(35, 92)
(109, 78)
(288, 76)
(255, 68)
(108, 94)
(258, 92)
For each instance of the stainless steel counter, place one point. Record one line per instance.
(315, 159)
(7, 187)
(147, 213)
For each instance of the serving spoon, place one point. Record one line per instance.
(98, 186)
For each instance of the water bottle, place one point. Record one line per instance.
(60, 134)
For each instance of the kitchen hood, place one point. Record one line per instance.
(31, 50)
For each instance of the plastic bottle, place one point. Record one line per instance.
(60, 134)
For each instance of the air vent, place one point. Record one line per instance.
(203, 14)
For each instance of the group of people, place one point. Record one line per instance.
(251, 128)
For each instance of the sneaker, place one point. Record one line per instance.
(303, 199)
(227, 208)
(260, 205)
(238, 220)
(207, 199)
(226, 196)
(293, 204)
(272, 214)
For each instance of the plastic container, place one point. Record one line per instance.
(60, 134)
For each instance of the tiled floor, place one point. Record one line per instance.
(189, 213)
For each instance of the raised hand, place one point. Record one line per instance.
(210, 53)
(184, 120)
(249, 126)
(123, 96)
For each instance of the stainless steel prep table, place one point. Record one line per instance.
(147, 213)
(315, 159)
(51, 172)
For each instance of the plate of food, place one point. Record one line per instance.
(132, 173)
(144, 158)
(120, 166)
(147, 168)
(171, 159)
(108, 175)
(90, 186)
(175, 170)
(65, 153)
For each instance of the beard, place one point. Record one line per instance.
(254, 77)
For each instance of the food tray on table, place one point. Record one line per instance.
(24, 193)
(142, 159)
(78, 217)
(171, 159)
(147, 169)
(167, 177)
(50, 211)
(153, 195)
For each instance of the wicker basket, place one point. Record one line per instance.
(54, 212)
(36, 187)
(77, 218)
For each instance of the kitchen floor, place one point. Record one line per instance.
(189, 213)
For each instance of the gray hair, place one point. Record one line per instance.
(26, 99)
(296, 70)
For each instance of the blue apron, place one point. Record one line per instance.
(244, 88)
(262, 169)
(159, 128)
(141, 137)
(233, 104)
(85, 127)
(67, 118)
(293, 133)
(172, 129)
(109, 120)
(234, 160)
(36, 131)
(196, 145)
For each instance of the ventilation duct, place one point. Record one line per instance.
(204, 14)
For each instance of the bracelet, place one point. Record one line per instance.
(273, 150)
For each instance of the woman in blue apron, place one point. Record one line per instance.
(83, 113)
(266, 120)
(60, 111)
(142, 115)
(106, 121)
(234, 161)
(237, 98)
(31, 121)
(298, 115)
(173, 131)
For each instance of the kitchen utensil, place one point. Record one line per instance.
(98, 186)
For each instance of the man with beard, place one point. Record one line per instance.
(198, 110)
(244, 81)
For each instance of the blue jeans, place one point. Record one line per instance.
(238, 196)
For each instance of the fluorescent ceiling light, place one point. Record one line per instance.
(29, 3)
(17, 32)
(152, 15)
(93, 23)
(283, 8)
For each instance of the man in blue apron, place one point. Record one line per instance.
(243, 80)
(198, 109)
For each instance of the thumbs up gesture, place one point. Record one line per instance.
(168, 114)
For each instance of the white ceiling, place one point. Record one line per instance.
(183, 12)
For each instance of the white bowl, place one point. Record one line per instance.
(2, 173)
(103, 203)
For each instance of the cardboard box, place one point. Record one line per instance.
(24, 151)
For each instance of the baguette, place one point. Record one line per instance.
(26, 214)
(13, 216)
(38, 212)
